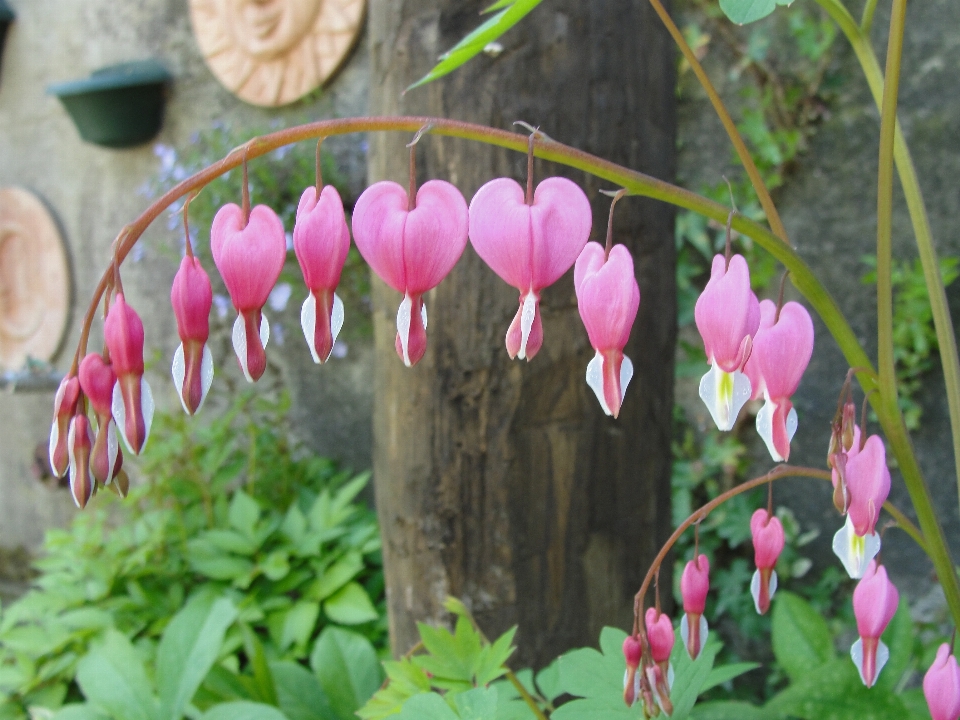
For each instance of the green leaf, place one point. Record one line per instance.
(298, 626)
(346, 665)
(336, 576)
(276, 565)
(476, 41)
(800, 636)
(426, 706)
(452, 656)
(350, 606)
(299, 694)
(899, 639)
(188, 649)
(113, 679)
(78, 712)
(263, 685)
(548, 681)
(493, 658)
(243, 710)
(244, 512)
(724, 673)
(406, 680)
(477, 704)
(597, 678)
(727, 710)
(690, 676)
(747, 11)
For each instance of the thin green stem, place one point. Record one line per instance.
(527, 697)
(763, 194)
(866, 20)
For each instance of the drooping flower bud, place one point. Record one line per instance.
(608, 298)
(249, 256)
(132, 402)
(632, 653)
(321, 240)
(64, 408)
(79, 444)
(781, 352)
(661, 638)
(192, 297)
(875, 601)
(694, 586)
(529, 246)
(411, 250)
(941, 686)
(98, 379)
(868, 484)
(727, 314)
(768, 541)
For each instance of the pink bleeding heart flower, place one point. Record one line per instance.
(768, 541)
(192, 297)
(694, 586)
(529, 246)
(727, 314)
(608, 298)
(941, 686)
(321, 240)
(632, 653)
(661, 638)
(97, 379)
(132, 403)
(249, 257)
(411, 248)
(875, 601)
(868, 485)
(64, 408)
(781, 352)
(79, 444)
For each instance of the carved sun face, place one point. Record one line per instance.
(273, 52)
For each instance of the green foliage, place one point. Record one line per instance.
(270, 545)
(915, 345)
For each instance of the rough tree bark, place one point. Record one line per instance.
(499, 481)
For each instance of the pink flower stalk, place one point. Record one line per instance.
(321, 240)
(781, 352)
(64, 408)
(768, 541)
(529, 246)
(632, 653)
(97, 379)
(941, 686)
(608, 298)
(661, 638)
(192, 297)
(249, 256)
(411, 248)
(79, 444)
(132, 402)
(694, 585)
(728, 316)
(875, 601)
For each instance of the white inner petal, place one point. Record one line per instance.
(755, 588)
(240, 345)
(206, 374)
(595, 380)
(120, 414)
(626, 375)
(765, 428)
(526, 323)
(855, 552)
(148, 407)
(403, 326)
(856, 654)
(113, 448)
(724, 394)
(423, 314)
(264, 331)
(308, 321)
(179, 372)
(54, 440)
(336, 321)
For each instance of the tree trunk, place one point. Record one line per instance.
(498, 481)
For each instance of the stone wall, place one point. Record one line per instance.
(94, 191)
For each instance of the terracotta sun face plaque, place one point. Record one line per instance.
(34, 282)
(273, 52)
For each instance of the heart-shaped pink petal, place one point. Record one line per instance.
(321, 238)
(249, 258)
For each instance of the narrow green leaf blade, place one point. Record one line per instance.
(800, 636)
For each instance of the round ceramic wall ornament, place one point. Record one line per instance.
(34, 280)
(273, 52)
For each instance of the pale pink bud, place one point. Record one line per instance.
(80, 443)
(192, 297)
(411, 250)
(321, 240)
(608, 298)
(941, 686)
(768, 541)
(838, 469)
(694, 585)
(659, 634)
(529, 246)
(868, 482)
(632, 653)
(875, 601)
(249, 258)
(64, 408)
(781, 352)
(132, 402)
(97, 379)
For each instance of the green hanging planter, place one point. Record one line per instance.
(6, 19)
(117, 106)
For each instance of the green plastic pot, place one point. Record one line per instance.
(117, 106)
